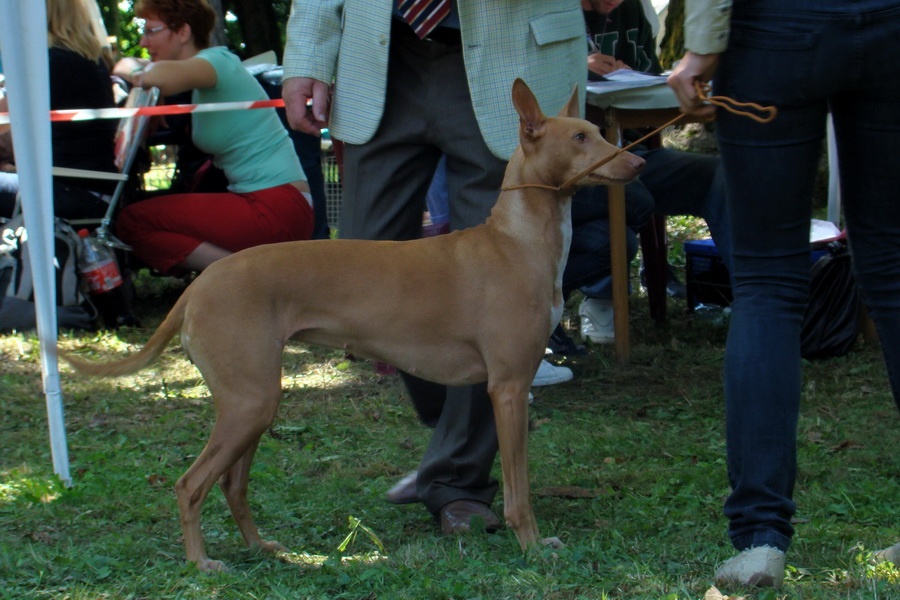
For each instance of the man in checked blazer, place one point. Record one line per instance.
(399, 103)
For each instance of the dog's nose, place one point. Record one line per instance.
(636, 162)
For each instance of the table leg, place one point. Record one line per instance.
(618, 254)
(619, 263)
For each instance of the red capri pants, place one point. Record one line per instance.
(164, 230)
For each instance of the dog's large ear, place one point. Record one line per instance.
(531, 118)
(572, 107)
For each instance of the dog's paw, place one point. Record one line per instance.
(271, 547)
(553, 542)
(207, 565)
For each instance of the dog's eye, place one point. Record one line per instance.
(579, 136)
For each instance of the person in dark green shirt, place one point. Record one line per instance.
(620, 36)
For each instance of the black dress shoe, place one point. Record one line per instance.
(674, 287)
(560, 343)
(457, 516)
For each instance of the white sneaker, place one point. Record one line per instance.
(548, 374)
(891, 554)
(597, 321)
(762, 566)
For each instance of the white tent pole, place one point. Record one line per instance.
(23, 39)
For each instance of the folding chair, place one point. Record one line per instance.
(129, 136)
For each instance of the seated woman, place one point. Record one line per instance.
(79, 78)
(268, 198)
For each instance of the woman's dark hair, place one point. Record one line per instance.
(175, 13)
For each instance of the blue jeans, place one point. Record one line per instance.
(438, 198)
(805, 57)
(588, 267)
(672, 183)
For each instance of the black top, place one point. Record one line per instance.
(625, 34)
(76, 82)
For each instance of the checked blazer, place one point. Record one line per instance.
(347, 42)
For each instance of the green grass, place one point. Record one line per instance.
(162, 169)
(627, 468)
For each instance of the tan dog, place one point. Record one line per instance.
(467, 307)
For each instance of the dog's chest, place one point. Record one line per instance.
(556, 309)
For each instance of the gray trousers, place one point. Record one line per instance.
(428, 113)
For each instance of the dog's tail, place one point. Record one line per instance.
(140, 359)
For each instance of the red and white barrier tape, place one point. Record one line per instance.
(88, 114)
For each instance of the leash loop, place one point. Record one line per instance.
(763, 114)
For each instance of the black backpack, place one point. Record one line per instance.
(831, 322)
(17, 308)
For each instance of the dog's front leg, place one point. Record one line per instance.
(510, 402)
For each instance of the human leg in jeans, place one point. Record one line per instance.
(797, 59)
(689, 183)
(672, 183)
(589, 260)
(589, 265)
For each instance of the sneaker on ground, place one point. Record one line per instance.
(548, 374)
(597, 321)
(761, 566)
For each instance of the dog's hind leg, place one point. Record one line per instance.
(234, 485)
(230, 440)
(244, 414)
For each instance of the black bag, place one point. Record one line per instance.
(831, 322)
(17, 308)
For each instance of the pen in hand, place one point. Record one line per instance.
(599, 63)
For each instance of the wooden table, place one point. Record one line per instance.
(615, 111)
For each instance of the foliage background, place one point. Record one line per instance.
(248, 27)
(255, 26)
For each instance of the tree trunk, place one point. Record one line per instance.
(259, 27)
(109, 10)
(218, 37)
(672, 46)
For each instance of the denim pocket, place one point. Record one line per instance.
(783, 40)
(770, 66)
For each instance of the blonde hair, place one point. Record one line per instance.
(70, 26)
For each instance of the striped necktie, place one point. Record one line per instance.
(423, 15)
